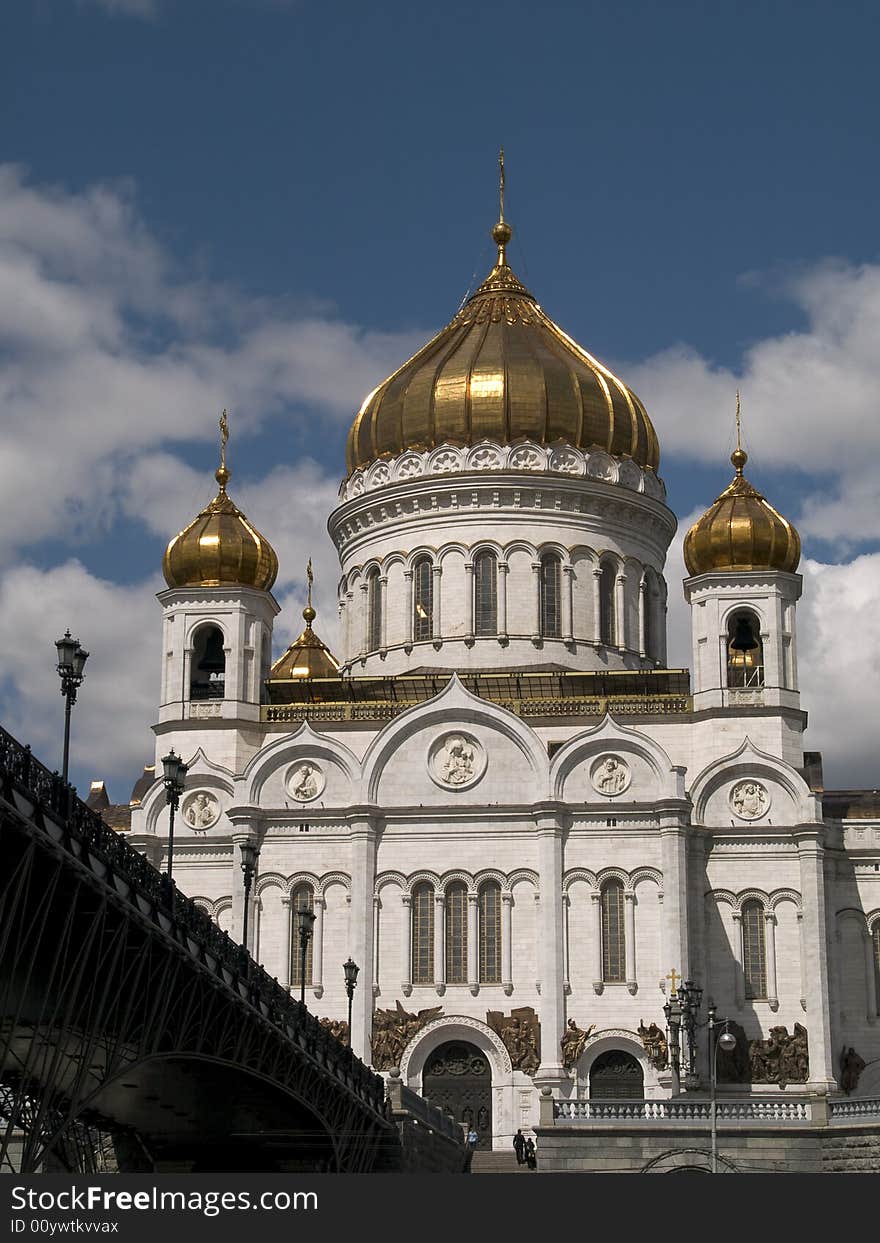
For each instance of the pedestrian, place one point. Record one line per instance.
(531, 1155)
(472, 1138)
(519, 1144)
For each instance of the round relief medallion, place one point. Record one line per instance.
(456, 761)
(610, 775)
(201, 810)
(749, 800)
(305, 781)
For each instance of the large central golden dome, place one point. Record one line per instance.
(502, 371)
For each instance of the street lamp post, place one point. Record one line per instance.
(727, 1042)
(71, 662)
(690, 996)
(250, 853)
(306, 923)
(174, 775)
(351, 970)
(672, 1010)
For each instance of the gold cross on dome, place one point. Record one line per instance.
(673, 976)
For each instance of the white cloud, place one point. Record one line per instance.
(108, 352)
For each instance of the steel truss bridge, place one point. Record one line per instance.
(131, 1025)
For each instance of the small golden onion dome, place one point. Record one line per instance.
(741, 531)
(502, 371)
(307, 657)
(220, 548)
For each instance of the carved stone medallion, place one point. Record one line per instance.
(456, 761)
(749, 800)
(305, 781)
(201, 810)
(610, 775)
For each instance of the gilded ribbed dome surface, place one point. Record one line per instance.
(502, 371)
(220, 548)
(741, 531)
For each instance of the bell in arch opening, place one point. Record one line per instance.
(208, 680)
(745, 652)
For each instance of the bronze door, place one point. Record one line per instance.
(616, 1076)
(458, 1080)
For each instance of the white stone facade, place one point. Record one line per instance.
(697, 809)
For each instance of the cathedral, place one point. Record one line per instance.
(496, 799)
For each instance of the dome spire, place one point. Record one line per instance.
(309, 613)
(501, 232)
(739, 457)
(222, 474)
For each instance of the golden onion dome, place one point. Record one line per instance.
(220, 548)
(502, 370)
(741, 531)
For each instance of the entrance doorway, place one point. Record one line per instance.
(458, 1080)
(616, 1075)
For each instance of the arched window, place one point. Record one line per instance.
(651, 606)
(208, 664)
(551, 596)
(607, 611)
(754, 950)
(613, 938)
(302, 899)
(423, 934)
(485, 593)
(374, 604)
(875, 940)
(745, 651)
(490, 932)
(423, 599)
(456, 933)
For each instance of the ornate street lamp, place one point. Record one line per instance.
(71, 662)
(306, 923)
(672, 1010)
(250, 853)
(174, 775)
(727, 1042)
(351, 970)
(690, 996)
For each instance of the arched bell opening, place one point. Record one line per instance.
(208, 676)
(745, 651)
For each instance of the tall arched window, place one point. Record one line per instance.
(607, 610)
(485, 593)
(745, 651)
(423, 934)
(208, 664)
(423, 599)
(551, 596)
(302, 899)
(650, 604)
(456, 933)
(490, 932)
(374, 604)
(875, 940)
(613, 936)
(754, 950)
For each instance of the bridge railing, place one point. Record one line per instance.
(88, 838)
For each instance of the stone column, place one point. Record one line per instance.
(406, 983)
(409, 624)
(870, 976)
(629, 942)
(567, 604)
(770, 955)
(566, 944)
(803, 957)
(620, 609)
(597, 607)
(365, 618)
(536, 599)
(362, 839)
(642, 606)
(288, 934)
(377, 906)
(548, 821)
(319, 903)
(473, 946)
(811, 855)
(673, 852)
(440, 942)
(506, 943)
(503, 568)
(436, 617)
(383, 611)
(471, 604)
(598, 973)
(739, 982)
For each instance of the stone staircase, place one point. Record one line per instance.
(497, 1163)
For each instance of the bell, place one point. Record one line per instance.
(214, 660)
(744, 640)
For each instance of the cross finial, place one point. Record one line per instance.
(673, 976)
(222, 475)
(739, 457)
(738, 422)
(501, 185)
(501, 232)
(308, 611)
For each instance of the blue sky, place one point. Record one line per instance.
(266, 205)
